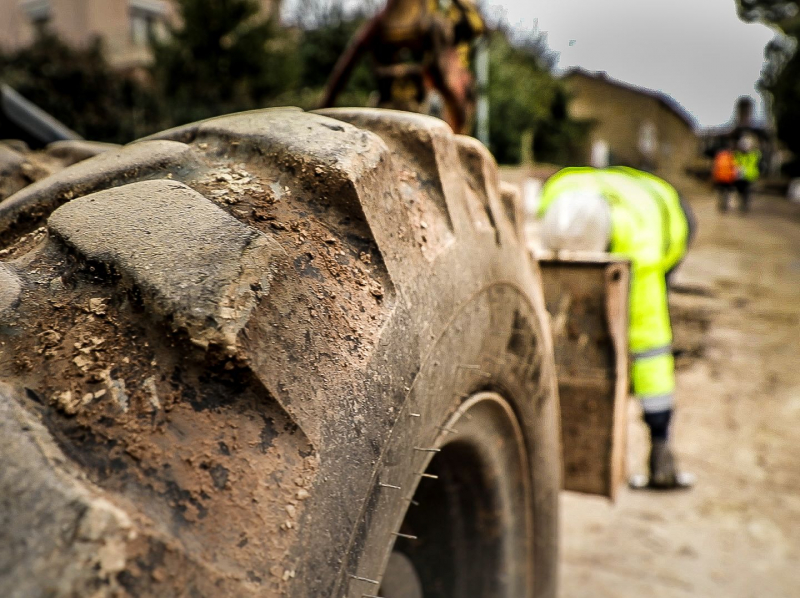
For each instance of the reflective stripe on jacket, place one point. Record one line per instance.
(649, 228)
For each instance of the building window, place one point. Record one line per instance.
(38, 11)
(40, 25)
(147, 21)
(142, 28)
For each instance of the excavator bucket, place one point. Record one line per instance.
(587, 300)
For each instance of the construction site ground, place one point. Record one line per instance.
(736, 315)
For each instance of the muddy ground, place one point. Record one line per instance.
(737, 534)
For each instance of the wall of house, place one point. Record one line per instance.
(679, 143)
(16, 28)
(621, 115)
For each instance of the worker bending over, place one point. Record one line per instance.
(640, 217)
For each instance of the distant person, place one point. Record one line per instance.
(747, 157)
(601, 154)
(648, 146)
(724, 173)
(640, 217)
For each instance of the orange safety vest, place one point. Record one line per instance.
(724, 170)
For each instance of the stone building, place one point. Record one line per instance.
(632, 126)
(124, 26)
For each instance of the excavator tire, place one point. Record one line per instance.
(19, 166)
(276, 353)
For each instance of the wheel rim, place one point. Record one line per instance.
(472, 523)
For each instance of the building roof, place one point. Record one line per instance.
(663, 99)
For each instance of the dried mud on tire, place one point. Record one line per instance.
(212, 341)
(19, 166)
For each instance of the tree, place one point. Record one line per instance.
(325, 30)
(560, 139)
(223, 57)
(781, 75)
(781, 13)
(78, 87)
(527, 104)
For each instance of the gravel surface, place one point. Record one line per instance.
(737, 533)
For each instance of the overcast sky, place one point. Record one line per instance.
(697, 51)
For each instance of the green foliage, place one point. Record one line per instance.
(525, 100)
(781, 13)
(784, 87)
(781, 74)
(78, 88)
(324, 40)
(560, 139)
(325, 30)
(223, 57)
(322, 46)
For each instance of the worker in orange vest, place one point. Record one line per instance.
(725, 175)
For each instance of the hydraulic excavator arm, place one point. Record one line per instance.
(419, 50)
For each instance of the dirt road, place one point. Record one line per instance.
(737, 534)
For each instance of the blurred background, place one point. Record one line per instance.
(662, 86)
(549, 82)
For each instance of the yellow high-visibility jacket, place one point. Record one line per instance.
(648, 227)
(747, 163)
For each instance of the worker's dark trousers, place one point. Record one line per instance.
(725, 190)
(658, 423)
(743, 189)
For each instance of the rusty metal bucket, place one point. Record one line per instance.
(587, 299)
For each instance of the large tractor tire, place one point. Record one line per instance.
(276, 353)
(19, 166)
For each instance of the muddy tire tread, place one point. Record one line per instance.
(256, 176)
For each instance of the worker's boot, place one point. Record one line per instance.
(724, 200)
(664, 474)
(744, 205)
